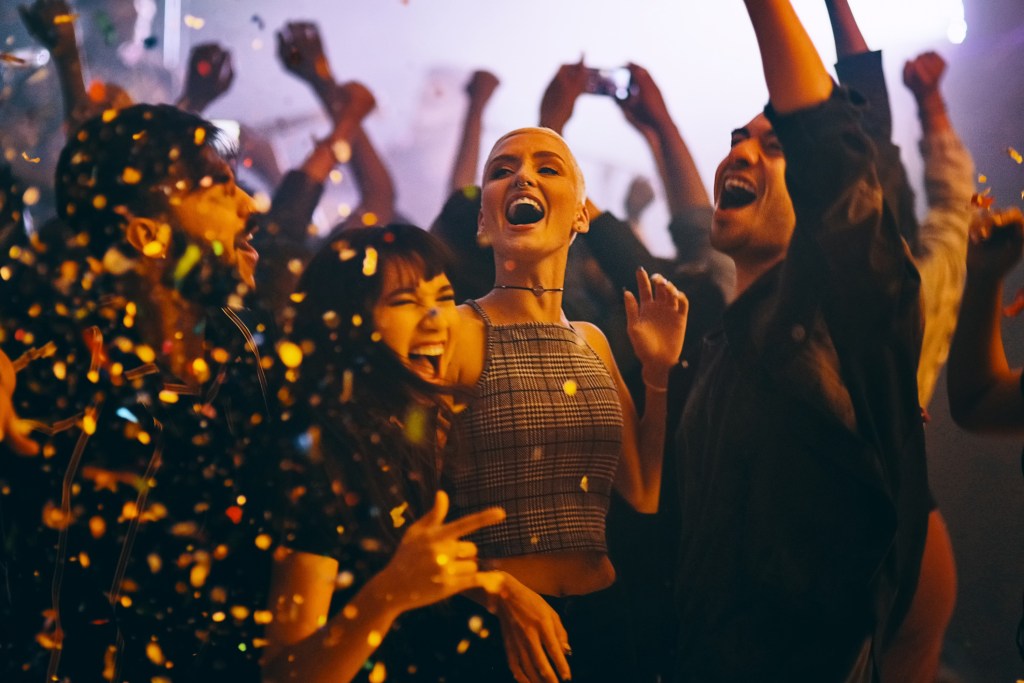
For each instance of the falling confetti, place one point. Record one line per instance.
(1015, 155)
(194, 22)
(370, 262)
(398, 515)
(31, 160)
(585, 484)
(569, 387)
(290, 354)
(258, 20)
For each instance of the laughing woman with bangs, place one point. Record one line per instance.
(363, 538)
(551, 429)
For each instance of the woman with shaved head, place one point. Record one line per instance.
(552, 430)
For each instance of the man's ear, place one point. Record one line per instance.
(480, 222)
(149, 237)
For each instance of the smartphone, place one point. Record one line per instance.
(617, 83)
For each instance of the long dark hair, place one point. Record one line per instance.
(377, 419)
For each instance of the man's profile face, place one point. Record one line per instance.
(754, 216)
(215, 213)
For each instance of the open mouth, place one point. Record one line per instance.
(425, 360)
(736, 193)
(524, 211)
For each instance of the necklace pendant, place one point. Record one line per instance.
(538, 290)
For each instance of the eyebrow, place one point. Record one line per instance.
(744, 131)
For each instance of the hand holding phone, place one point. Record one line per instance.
(617, 83)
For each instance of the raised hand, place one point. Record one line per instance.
(11, 434)
(996, 244)
(535, 640)
(302, 53)
(481, 86)
(645, 107)
(209, 76)
(556, 106)
(51, 23)
(432, 564)
(350, 101)
(656, 323)
(923, 73)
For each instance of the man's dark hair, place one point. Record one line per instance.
(130, 160)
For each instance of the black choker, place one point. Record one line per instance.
(536, 289)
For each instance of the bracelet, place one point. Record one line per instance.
(656, 389)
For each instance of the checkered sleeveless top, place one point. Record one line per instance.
(542, 439)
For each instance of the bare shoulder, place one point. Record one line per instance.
(467, 360)
(595, 337)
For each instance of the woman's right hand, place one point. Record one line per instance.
(432, 564)
(536, 643)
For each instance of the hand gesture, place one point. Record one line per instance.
(656, 323)
(209, 76)
(349, 102)
(302, 53)
(556, 106)
(51, 23)
(645, 107)
(922, 74)
(535, 640)
(11, 434)
(432, 564)
(997, 240)
(481, 86)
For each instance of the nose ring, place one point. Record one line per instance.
(522, 182)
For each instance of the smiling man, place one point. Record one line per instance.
(143, 520)
(802, 529)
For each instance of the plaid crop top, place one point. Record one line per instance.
(542, 439)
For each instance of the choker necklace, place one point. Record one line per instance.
(536, 289)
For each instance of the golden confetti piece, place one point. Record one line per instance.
(31, 160)
(298, 297)
(290, 354)
(31, 196)
(335, 176)
(199, 138)
(197, 577)
(155, 562)
(153, 249)
(982, 178)
(218, 616)
(155, 654)
(374, 638)
(370, 262)
(89, 424)
(109, 115)
(193, 22)
(342, 151)
(475, 624)
(569, 387)
(442, 559)
(131, 176)
(168, 396)
(263, 616)
(239, 612)
(398, 514)
(263, 542)
(1015, 155)
(369, 218)
(64, 19)
(126, 601)
(379, 673)
(585, 484)
(350, 611)
(462, 647)
(97, 526)
(83, 558)
(344, 210)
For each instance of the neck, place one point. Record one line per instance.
(167, 323)
(748, 273)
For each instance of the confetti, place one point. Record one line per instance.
(263, 541)
(398, 515)
(258, 20)
(342, 151)
(31, 196)
(155, 654)
(12, 59)
(982, 178)
(194, 22)
(200, 136)
(585, 484)
(263, 616)
(1015, 155)
(379, 673)
(569, 387)
(370, 262)
(1016, 307)
(369, 219)
(982, 200)
(290, 354)
(462, 647)
(336, 176)
(31, 160)
(374, 638)
(64, 19)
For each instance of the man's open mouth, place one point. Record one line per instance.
(736, 193)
